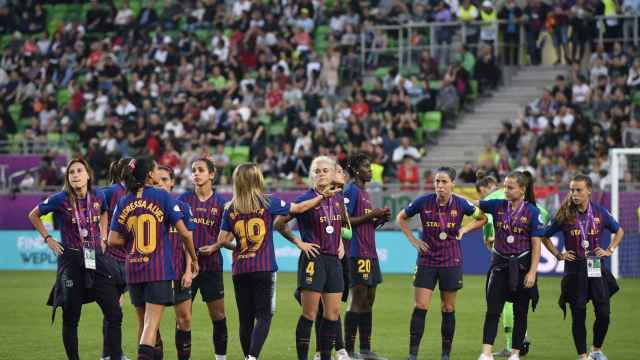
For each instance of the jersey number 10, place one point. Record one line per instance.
(142, 225)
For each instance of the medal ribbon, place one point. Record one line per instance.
(511, 215)
(81, 218)
(584, 225)
(443, 220)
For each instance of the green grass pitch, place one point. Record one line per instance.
(26, 331)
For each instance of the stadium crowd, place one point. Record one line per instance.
(281, 82)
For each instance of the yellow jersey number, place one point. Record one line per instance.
(251, 233)
(142, 225)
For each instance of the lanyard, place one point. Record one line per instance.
(80, 218)
(510, 216)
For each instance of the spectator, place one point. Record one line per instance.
(405, 149)
(558, 20)
(512, 14)
(408, 174)
(580, 14)
(536, 14)
(468, 174)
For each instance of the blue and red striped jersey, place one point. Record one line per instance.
(594, 225)
(254, 236)
(143, 219)
(179, 259)
(112, 194)
(207, 216)
(363, 241)
(514, 227)
(64, 214)
(437, 220)
(322, 225)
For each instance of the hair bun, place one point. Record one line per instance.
(480, 174)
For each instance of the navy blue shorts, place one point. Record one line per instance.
(448, 278)
(365, 271)
(210, 284)
(155, 292)
(322, 274)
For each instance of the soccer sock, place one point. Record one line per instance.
(259, 336)
(364, 327)
(183, 344)
(579, 330)
(328, 337)
(416, 330)
(339, 335)
(447, 329)
(146, 352)
(303, 337)
(220, 336)
(158, 350)
(318, 330)
(601, 325)
(507, 323)
(351, 323)
(70, 340)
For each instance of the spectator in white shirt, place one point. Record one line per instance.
(95, 115)
(125, 108)
(174, 126)
(564, 116)
(581, 92)
(633, 80)
(405, 149)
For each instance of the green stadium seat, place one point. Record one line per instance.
(381, 72)
(635, 98)
(276, 129)
(14, 112)
(71, 139)
(16, 143)
(475, 89)
(240, 155)
(431, 122)
(435, 84)
(62, 97)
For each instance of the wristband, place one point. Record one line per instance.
(559, 256)
(47, 237)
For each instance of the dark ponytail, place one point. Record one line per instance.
(525, 180)
(117, 169)
(136, 172)
(484, 180)
(567, 212)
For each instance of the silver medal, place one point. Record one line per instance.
(511, 239)
(329, 229)
(585, 244)
(84, 233)
(443, 235)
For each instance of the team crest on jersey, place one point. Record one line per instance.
(454, 212)
(260, 212)
(596, 220)
(283, 203)
(523, 219)
(214, 211)
(96, 205)
(346, 200)
(176, 208)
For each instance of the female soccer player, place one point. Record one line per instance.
(516, 253)
(582, 222)
(319, 270)
(141, 223)
(439, 254)
(487, 187)
(112, 195)
(182, 307)
(363, 258)
(249, 219)
(84, 272)
(207, 206)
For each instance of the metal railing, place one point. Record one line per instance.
(440, 38)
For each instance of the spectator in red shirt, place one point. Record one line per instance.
(408, 174)
(170, 156)
(360, 108)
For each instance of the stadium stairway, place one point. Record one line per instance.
(474, 130)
